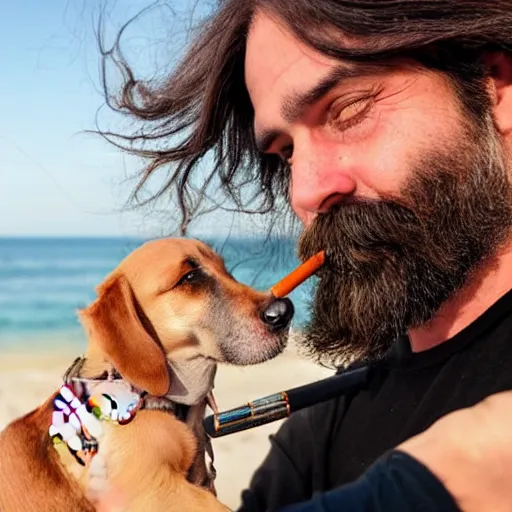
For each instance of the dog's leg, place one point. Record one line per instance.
(97, 484)
(104, 497)
(200, 473)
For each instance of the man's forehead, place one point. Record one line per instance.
(275, 58)
(283, 75)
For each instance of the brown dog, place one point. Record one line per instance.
(162, 321)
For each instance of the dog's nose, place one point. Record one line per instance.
(278, 314)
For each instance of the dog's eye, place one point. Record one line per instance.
(190, 277)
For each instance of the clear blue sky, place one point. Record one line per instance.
(55, 180)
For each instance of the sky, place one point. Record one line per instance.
(55, 179)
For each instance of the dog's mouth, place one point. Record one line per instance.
(163, 403)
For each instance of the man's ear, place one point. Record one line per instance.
(499, 66)
(115, 327)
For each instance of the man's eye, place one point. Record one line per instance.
(286, 153)
(344, 117)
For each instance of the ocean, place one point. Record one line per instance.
(44, 280)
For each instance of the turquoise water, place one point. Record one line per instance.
(44, 280)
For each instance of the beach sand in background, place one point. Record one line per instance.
(28, 378)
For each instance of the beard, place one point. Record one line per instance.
(392, 263)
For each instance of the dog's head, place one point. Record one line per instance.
(171, 310)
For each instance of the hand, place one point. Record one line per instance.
(470, 451)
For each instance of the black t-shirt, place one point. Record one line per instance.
(396, 482)
(332, 444)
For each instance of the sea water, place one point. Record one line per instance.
(43, 281)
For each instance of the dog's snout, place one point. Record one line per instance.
(278, 314)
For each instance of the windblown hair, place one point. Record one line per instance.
(203, 107)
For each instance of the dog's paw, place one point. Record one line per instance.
(97, 484)
(100, 492)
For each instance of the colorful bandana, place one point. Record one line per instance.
(82, 404)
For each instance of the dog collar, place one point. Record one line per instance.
(81, 405)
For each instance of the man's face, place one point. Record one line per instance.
(388, 173)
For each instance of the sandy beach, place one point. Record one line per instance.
(27, 378)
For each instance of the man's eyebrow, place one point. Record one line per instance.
(296, 103)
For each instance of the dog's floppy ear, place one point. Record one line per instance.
(115, 327)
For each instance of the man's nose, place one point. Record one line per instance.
(319, 181)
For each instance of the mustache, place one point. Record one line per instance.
(361, 232)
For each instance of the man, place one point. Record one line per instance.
(386, 127)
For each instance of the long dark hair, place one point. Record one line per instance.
(202, 111)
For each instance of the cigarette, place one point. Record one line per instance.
(298, 276)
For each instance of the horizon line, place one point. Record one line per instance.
(138, 237)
